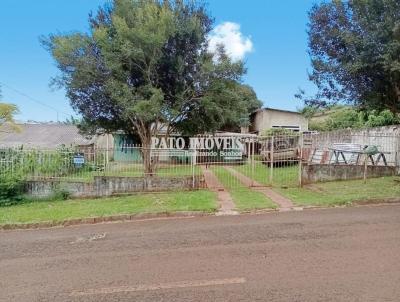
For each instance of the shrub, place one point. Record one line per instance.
(349, 117)
(60, 193)
(11, 189)
(278, 131)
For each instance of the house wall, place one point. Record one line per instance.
(124, 149)
(104, 141)
(267, 119)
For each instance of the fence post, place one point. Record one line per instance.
(271, 178)
(105, 162)
(365, 167)
(252, 163)
(193, 163)
(396, 155)
(107, 149)
(301, 144)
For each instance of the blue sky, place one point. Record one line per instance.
(271, 35)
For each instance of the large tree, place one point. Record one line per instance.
(355, 53)
(144, 66)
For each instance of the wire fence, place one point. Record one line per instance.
(275, 160)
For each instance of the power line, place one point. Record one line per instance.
(35, 100)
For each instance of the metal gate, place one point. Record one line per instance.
(257, 161)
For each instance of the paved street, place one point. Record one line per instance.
(350, 254)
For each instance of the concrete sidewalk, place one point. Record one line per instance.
(226, 206)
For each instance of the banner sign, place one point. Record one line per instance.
(195, 143)
(231, 148)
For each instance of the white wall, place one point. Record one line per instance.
(268, 118)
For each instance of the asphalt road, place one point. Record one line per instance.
(350, 254)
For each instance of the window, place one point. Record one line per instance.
(293, 128)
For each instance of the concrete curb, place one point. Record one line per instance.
(102, 219)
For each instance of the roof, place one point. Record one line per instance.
(45, 136)
(274, 109)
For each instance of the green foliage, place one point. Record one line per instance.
(199, 200)
(277, 132)
(11, 189)
(72, 121)
(11, 179)
(309, 111)
(60, 193)
(354, 48)
(145, 65)
(348, 117)
(7, 113)
(383, 118)
(17, 165)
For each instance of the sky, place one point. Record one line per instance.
(269, 35)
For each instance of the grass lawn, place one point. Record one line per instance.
(321, 194)
(41, 211)
(243, 197)
(282, 176)
(343, 192)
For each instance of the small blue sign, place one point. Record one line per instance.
(79, 160)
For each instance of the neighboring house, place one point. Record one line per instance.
(50, 136)
(267, 118)
(125, 148)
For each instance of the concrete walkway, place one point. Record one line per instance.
(226, 205)
(283, 202)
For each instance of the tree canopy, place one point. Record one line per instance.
(355, 53)
(144, 67)
(146, 62)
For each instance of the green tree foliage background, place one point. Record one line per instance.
(355, 54)
(144, 68)
(343, 117)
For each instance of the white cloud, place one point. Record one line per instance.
(229, 35)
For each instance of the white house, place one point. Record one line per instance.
(267, 118)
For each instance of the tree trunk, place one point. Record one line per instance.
(149, 163)
(149, 160)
